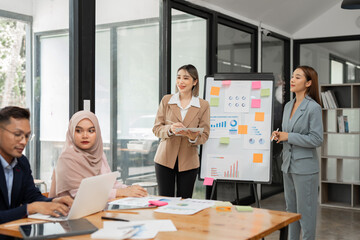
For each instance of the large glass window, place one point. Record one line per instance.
(273, 61)
(50, 84)
(52, 100)
(13, 63)
(102, 86)
(188, 46)
(234, 50)
(127, 84)
(138, 98)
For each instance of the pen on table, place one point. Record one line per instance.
(274, 135)
(115, 218)
(125, 212)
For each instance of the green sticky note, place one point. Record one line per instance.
(243, 208)
(214, 102)
(265, 92)
(222, 204)
(224, 140)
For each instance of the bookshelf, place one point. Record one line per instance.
(340, 154)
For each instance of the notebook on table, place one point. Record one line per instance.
(91, 197)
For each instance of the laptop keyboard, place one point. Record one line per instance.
(60, 217)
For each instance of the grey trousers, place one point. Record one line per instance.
(301, 195)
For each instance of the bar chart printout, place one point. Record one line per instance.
(224, 168)
(224, 126)
(219, 124)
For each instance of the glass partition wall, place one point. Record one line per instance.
(234, 50)
(336, 62)
(127, 84)
(275, 58)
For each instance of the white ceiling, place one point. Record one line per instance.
(286, 15)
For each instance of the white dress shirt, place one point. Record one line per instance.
(195, 102)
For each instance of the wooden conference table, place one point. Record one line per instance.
(207, 224)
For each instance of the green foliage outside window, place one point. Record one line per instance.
(12, 63)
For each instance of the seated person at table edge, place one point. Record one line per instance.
(83, 156)
(19, 196)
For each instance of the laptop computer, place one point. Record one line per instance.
(91, 197)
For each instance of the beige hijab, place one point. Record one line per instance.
(74, 164)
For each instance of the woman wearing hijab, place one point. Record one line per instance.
(83, 156)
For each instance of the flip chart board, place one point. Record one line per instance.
(241, 122)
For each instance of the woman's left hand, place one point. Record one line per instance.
(132, 191)
(282, 136)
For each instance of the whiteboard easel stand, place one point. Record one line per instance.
(237, 200)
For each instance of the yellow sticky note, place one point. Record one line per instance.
(214, 102)
(224, 140)
(215, 91)
(265, 92)
(257, 158)
(259, 116)
(242, 129)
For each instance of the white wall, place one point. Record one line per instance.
(335, 22)
(109, 11)
(54, 15)
(237, 16)
(50, 15)
(17, 6)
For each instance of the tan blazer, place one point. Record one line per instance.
(177, 146)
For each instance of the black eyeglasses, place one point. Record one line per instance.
(18, 136)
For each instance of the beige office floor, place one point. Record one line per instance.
(332, 223)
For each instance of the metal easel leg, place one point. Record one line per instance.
(213, 190)
(256, 196)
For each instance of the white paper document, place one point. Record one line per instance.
(122, 233)
(145, 229)
(237, 98)
(185, 207)
(140, 202)
(224, 126)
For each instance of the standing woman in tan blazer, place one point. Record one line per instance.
(177, 159)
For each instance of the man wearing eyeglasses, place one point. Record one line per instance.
(18, 195)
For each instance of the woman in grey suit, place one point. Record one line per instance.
(302, 134)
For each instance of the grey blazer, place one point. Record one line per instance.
(305, 131)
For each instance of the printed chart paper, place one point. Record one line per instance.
(230, 167)
(224, 126)
(258, 135)
(237, 98)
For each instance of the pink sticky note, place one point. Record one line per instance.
(256, 85)
(208, 181)
(226, 83)
(255, 103)
(158, 203)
